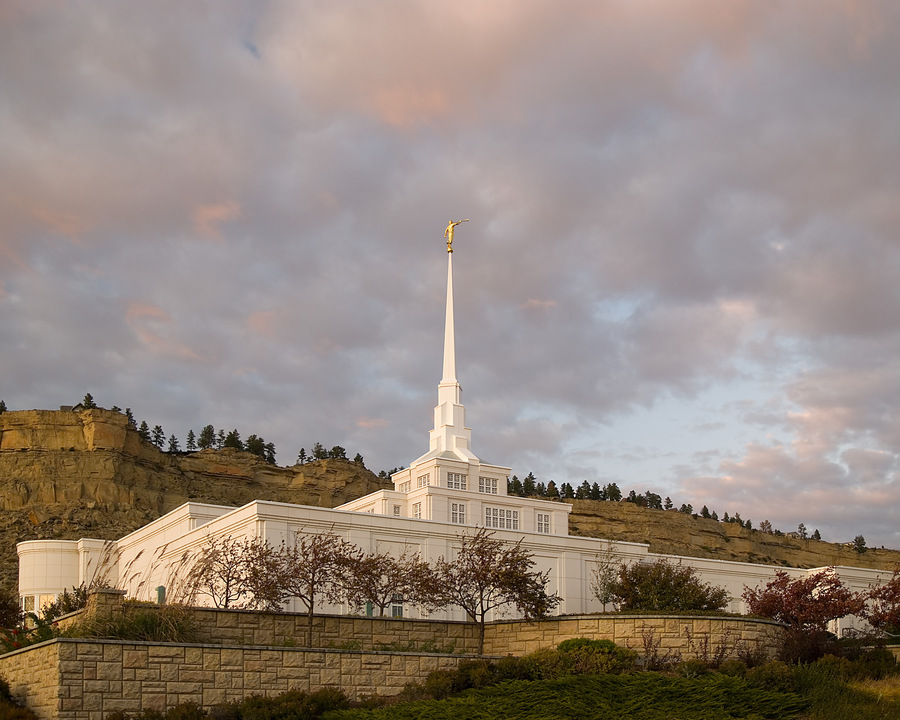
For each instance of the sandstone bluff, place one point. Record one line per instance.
(69, 475)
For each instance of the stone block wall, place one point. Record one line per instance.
(681, 635)
(33, 677)
(74, 679)
(335, 631)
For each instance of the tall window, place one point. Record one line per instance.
(423, 480)
(397, 606)
(397, 510)
(487, 485)
(543, 522)
(404, 486)
(501, 518)
(456, 481)
(458, 513)
(417, 510)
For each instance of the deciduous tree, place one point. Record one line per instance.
(490, 574)
(883, 609)
(379, 578)
(665, 587)
(313, 567)
(806, 603)
(219, 571)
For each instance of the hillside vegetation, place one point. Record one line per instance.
(68, 475)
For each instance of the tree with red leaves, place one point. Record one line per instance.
(807, 603)
(883, 611)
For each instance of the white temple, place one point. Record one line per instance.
(441, 494)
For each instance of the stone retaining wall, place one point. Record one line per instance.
(74, 679)
(675, 635)
(336, 631)
(244, 653)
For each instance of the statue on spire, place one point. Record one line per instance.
(448, 233)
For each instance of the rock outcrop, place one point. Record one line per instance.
(676, 533)
(81, 474)
(88, 473)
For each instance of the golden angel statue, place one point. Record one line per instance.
(448, 233)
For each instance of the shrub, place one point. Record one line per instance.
(596, 657)
(66, 603)
(801, 646)
(169, 623)
(774, 675)
(693, 668)
(664, 587)
(733, 668)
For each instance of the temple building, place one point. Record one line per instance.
(444, 493)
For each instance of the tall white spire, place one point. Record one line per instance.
(450, 436)
(448, 390)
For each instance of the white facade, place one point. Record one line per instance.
(441, 495)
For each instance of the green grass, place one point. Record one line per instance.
(644, 696)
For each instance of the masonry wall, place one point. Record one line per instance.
(246, 653)
(676, 635)
(335, 631)
(73, 679)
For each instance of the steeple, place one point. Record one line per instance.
(450, 438)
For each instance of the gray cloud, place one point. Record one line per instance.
(236, 218)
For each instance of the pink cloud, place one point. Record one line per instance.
(208, 218)
(536, 304)
(141, 317)
(371, 423)
(262, 322)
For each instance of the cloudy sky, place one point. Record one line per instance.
(681, 273)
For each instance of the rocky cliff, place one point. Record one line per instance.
(88, 474)
(676, 533)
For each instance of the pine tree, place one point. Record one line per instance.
(191, 444)
(207, 438)
(158, 437)
(270, 453)
(704, 512)
(668, 504)
(816, 535)
(130, 417)
(173, 444)
(2, 407)
(338, 452)
(302, 458)
(528, 485)
(613, 493)
(358, 459)
(220, 439)
(584, 491)
(144, 431)
(552, 491)
(597, 493)
(88, 402)
(514, 487)
(319, 452)
(233, 440)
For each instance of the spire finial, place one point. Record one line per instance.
(448, 233)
